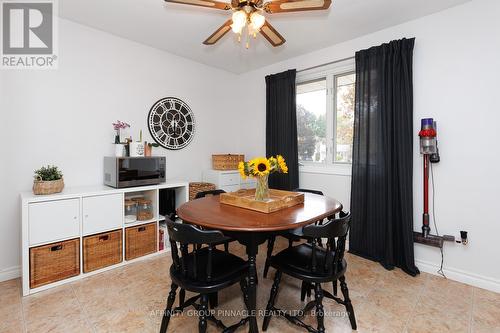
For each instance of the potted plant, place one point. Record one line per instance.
(119, 146)
(148, 148)
(48, 180)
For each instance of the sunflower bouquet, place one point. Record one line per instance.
(260, 168)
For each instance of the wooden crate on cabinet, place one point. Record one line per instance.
(54, 262)
(140, 240)
(227, 161)
(102, 250)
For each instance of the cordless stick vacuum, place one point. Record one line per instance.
(428, 146)
(430, 152)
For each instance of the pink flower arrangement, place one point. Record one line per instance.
(120, 125)
(117, 127)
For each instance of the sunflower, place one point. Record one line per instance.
(241, 169)
(273, 162)
(261, 166)
(282, 164)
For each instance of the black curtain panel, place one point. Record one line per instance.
(281, 127)
(382, 166)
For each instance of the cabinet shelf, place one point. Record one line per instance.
(136, 223)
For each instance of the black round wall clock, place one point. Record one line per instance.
(171, 123)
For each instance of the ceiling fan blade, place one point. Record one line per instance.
(219, 33)
(203, 3)
(272, 35)
(283, 6)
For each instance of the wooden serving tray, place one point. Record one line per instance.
(278, 200)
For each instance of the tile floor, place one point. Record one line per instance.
(131, 298)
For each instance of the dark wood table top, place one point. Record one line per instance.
(210, 213)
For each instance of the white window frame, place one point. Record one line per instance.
(330, 72)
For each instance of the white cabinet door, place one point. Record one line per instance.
(102, 213)
(232, 178)
(231, 188)
(53, 220)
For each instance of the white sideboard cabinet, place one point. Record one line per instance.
(58, 229)
(227, 180)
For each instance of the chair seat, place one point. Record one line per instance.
(226, 270)
(296, 261)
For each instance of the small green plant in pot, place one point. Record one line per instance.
(48, 180)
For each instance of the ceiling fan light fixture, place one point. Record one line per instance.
(257, 20)
(239, 21)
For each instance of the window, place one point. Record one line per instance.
(311, 121)
(344, 119)
(325, 115)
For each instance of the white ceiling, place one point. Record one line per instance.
(180, 29)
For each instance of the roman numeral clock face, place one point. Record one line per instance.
(171, 123)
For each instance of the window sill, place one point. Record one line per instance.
(337, 169)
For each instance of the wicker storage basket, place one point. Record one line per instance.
(41, 187)
(226, 162)
(194, 188)
(54, 262)
(140, 240)
(102, 250)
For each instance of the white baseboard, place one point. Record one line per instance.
(461, 276)
(10, 273)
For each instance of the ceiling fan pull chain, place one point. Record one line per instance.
(248, 39)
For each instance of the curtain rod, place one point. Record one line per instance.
(328, 63)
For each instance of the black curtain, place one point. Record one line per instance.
(281, 127)
(382, 167)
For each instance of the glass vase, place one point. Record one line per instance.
(262, 188)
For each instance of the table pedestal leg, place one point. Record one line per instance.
(252, 287)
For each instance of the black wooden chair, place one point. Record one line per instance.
(203, 194)
(294, 235)
(314, 265)
(202, 269)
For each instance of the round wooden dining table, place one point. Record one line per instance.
(252, 228)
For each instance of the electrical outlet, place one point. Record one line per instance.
(464, 237)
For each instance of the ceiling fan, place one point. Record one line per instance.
(248, 13)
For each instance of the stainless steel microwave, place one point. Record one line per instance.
(120, 172)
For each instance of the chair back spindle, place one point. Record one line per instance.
(187, 236)
(336, 232)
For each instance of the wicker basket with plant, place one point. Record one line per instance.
(48, 180)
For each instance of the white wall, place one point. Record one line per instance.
(456, 68)
(64, 116)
